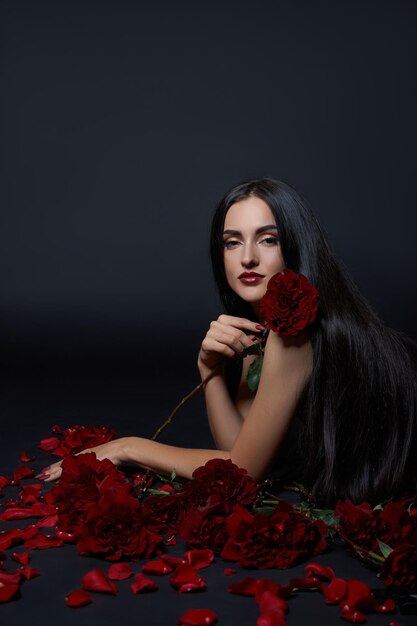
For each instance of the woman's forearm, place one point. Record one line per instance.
(224, 419)
(165, 458)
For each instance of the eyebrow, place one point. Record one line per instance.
(262, 229)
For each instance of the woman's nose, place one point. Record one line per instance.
(249, 256)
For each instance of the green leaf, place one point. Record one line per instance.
(386, 550)
(254, 373)
(256, 348)
(265, 510)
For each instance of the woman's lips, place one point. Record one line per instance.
(251, 278)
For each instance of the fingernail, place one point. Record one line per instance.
(260, 327)
(40, 475)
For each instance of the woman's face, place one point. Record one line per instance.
(252, 252)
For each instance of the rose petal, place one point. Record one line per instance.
(119, 571)
(43, 542)
(21, 557)
(7, 592)
(96, 580)
(305, 583)
(25, 458)
(335, 591)
(245, 587)
(199, 558)
(10, 538)
(264, 585)
(272, 612)
(49, 443)
(198, 617)
(29, 572)
(316, 569)
(18, 512)
(186, 578)
(47, 522)
(22, 473)
(358, 596)
(159, 568)
(353, 616)
(10, 578)
(143, 583)
(66, 537)
(387, 606)
(229, 571)
(78, 598)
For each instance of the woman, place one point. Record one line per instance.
(344, 392)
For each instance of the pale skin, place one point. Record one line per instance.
(250, 430)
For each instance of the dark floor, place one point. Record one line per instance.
(129, 404)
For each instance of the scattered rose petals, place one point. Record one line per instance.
(186, 578)
(7, 592)
(159, 568)
(143, 583)
(96, 580)
(229, 571)
(198, 617)
(119, 571)
(78, 598)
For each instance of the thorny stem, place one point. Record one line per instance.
(142, 485)
(182, 402)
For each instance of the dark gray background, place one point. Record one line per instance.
(123, 123)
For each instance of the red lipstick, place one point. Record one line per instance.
(250, 278)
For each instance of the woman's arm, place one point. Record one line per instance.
(225, 339)
(286, 370)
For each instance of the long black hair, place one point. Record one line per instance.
(358, 416)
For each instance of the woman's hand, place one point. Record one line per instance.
(226, 337)
(113, 450)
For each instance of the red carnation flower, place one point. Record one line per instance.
(83, 480)
(114, 528)
(400, 568)
(231, 483)
(281, 540)
(289, 304)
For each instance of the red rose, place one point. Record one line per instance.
(358, 522)
(164, 513)
(83, 480)
(114, 527)
(399, 569)
(289, 304)
(206, 527)
(281, 540)
(231, 483)
(397, 524)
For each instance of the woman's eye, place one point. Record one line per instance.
(269, 241)
(230, 243)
